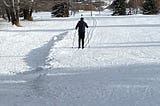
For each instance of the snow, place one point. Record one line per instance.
(40, 64)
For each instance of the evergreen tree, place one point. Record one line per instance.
(119, 7)
(60, 10)
(150, 7)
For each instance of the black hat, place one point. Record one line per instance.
(82, 18)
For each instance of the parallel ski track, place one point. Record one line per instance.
(90, 32)
(88, 35)
(87, 39)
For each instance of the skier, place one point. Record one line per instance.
(81, 25)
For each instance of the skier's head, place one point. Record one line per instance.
(81, 18)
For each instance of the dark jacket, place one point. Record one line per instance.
(81, 26)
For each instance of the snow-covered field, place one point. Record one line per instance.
(40, 64)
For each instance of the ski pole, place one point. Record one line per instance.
(74, 39)
(88, 39)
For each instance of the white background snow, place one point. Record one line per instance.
(40, 64)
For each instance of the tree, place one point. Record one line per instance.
(150, 7)
(26, 9)
(135, 6)
(11, 11)
(119, 7)
(13, 8)
(60, 9)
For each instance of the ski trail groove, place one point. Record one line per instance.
(90, 33)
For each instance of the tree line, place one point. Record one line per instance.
(12, 10)
(147, 7)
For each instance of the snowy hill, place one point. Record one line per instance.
(40, 64)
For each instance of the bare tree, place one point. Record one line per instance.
(11, 12)
(12, 9)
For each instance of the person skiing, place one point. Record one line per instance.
(81, 25)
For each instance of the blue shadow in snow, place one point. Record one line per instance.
(38, 56)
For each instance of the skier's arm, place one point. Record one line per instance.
(77, 25)
(86, 25)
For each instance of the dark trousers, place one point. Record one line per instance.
(81, 39)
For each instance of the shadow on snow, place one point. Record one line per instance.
(38, 56)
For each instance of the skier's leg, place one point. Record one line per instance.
(79, 42)
(82, 43)
(83, 37)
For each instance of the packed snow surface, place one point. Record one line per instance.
(40, 64)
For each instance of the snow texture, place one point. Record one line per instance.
(40, 64)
